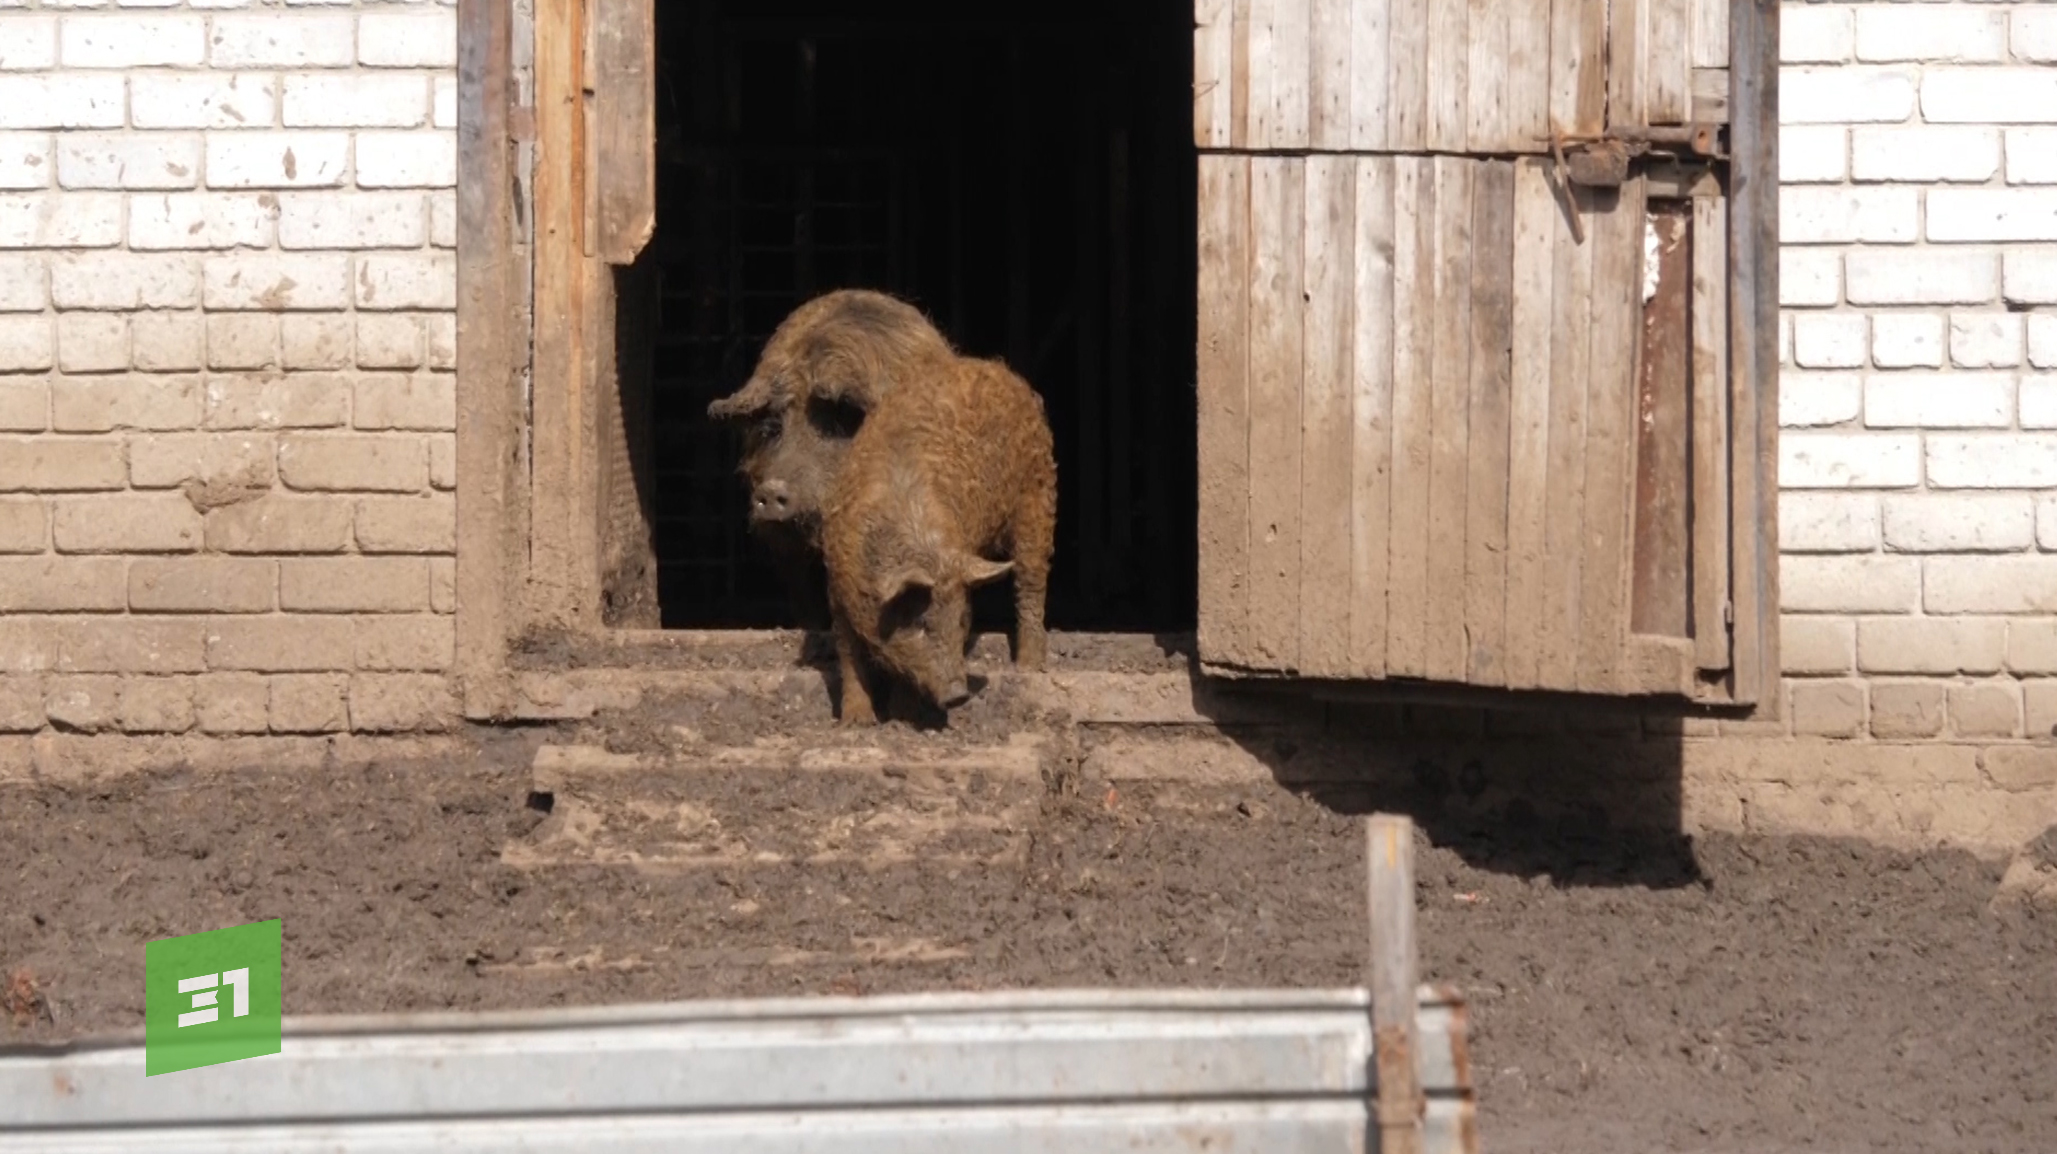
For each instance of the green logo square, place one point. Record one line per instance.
(211, 998)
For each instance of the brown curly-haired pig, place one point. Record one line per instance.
(824, 369)
(946, 488)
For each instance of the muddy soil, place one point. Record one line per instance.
(1723, 995)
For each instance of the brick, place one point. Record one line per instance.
(1809, 278)
(2039, 708)
(1818, 399)
(1856, 584)
(24, 406)
(272, 401)
(27, 160)
(1828, 708)
(354, 585)
(2039, 402)
(352, 220)
(201, 220)
(443, 219)
(406, 160)
(1828, 215)
(443, 584)
(1988, 710)
(446, 102)
(2034, 34)
(424, 401)
(28, 42)
(1922, 154)
(27, 344)
(370, 464)
(2010, 462)
(156, 705)
(1985, 340)
(130, 645)
(2046, 523)
(1940, 523)
(443, 465)
(92, 342)
(2032, 156)
(1814, 646)
(1849, 461)
(1992, 214)
(242, 341)
(407, 525)
(418, 644)
(1845, 95)
(83, 704)
(1923, 277)
(237, 460)
(138, 402)
(24, 525)
(1988, 96)
(1906, 709)
(387, 342)
(367, 100)
(62, 101)
(410, 281)
(1891, 33)
(310, 703)
(408, 39)
(21, 701)
(400, 703)
(2022, 769)
(1931, 645)
(443, 341)
(1939, 401)
(2010, 585)
(52, 220)
(280, 525)
(1830, 341)
(2031, 278)
(24, 282)
(1810, 34)
(2032, 647)
(203, 101)
(46, 465)
(283, 40)
(203, 585)
(128, 41)
(231, 703)
(1901, 341)
(125, 281)
(277, 159)
(29, 645)
(127, 524)
(2042, 341)
(169, 342)
(1828, 523)
(316, 342)
(108, 160)
(51, 584)
(280, 644)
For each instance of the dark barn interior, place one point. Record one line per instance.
(1027, 180)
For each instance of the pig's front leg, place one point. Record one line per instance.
(857, 709)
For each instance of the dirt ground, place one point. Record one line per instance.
(1628, 997)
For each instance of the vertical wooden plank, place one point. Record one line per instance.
(558, 422)
(1389, 869)
(1259, 76)
(1753, 357)
(1291, 62)
(1710, 434)
(1492, 339)
(1710, 33)
(625, 120)
(1571, 319)
(1213, 84)
(1660, 591)
(1371, 414)
(1330, 83)
(1486, 107)
(1224, 403)
(1414, 311)
(1276, 305)
(1449, 81)
(1617, 236)
(1240, 104)
(1326, 472)
(1407, 57)
(1528, 75)
(1578, 66)
(1370, 82)
(1628, 65)
(1670, 57)
(1528, 462)
(1710, 95)
(1450, 418)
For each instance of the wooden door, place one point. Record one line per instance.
(1473, 405)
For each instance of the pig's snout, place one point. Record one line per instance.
(957, 694)
(772, 501)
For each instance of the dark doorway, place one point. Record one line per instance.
(1027, 181)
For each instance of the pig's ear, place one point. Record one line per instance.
(979, 571)
(896, 585)
(752, 400)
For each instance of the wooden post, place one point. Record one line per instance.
(1389, 860)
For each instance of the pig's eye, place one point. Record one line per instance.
(834, 418)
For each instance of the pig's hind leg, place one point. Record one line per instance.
(1035, 539)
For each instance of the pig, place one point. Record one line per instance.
(946, 488)
(826, 366)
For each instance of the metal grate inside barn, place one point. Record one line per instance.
(1026, 180)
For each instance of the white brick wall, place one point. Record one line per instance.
(1919, 217)
(226, 293)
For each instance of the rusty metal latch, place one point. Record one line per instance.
(1604, 161)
